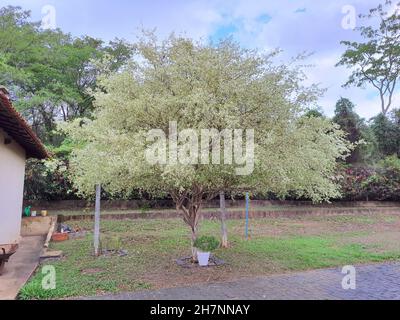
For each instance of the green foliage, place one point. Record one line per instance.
(314, 113)
(354, 182)
(386, 131)
(385, 183)
(368, 149)
(391, 163)
(48, 180)
(64, 150)
(380, 182)
(50, 72)
(206, 243)
(350, 123)
(223, 86)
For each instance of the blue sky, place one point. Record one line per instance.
(292, 25)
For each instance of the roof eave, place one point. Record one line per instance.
(27, 139)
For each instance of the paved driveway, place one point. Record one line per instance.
(20, 267)
(380, 281)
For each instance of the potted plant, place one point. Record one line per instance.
(204, 246)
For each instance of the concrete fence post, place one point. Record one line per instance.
(97, 221)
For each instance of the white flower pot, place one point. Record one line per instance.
(203, 258)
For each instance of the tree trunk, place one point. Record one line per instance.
(194, 250)
(190, 205)
(224, 230)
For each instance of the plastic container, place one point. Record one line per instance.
(203, 258)
(59, 237)
(27, 211)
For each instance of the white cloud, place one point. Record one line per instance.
(295, 26)
(317, 27)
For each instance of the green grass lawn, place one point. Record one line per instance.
(277, 245)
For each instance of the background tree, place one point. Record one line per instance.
(202, 87)
(349, 122)
(49, 72)
(377, 60)
(315, 112)
(387, 134)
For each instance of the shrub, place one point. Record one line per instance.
(354, 181)
(206, 243)
(385, 183)
(381, 182)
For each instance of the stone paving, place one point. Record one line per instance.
(373, 282)
(20, 267)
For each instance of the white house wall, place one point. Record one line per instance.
(12, 171)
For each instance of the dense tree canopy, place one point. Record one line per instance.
(49, 72)
(387, 134)
(350, 123)
(198, 86)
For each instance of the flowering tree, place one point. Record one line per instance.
(146, 129)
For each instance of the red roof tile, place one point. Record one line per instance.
(18, 129)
